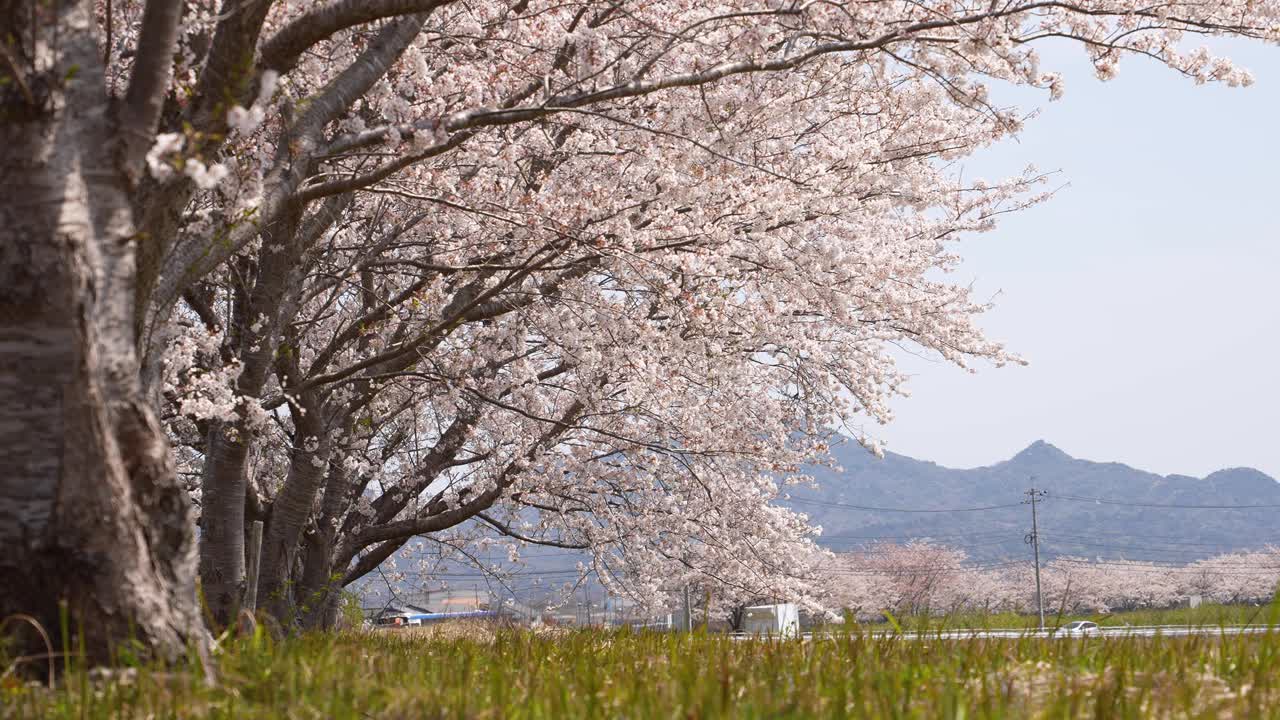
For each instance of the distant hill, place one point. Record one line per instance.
(1121, 527)
(1126, 522)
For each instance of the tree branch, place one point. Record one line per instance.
(467, 122)
(506, 530)
(152, 70)
(445, 519)
(353, 82)
(282, 50)
(372, 559)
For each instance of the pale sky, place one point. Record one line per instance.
(1145, 294)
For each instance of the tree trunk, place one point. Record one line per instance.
(91, 512)
(319, 586)
(222, 527)
(225, 478)
(289, 514)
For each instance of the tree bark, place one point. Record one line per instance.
(319, 586)
(91, 512)
(225, 479)
(223, 484)
(289, 513)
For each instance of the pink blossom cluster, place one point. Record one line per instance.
(922, 577)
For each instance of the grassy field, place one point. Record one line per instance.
(476, 672)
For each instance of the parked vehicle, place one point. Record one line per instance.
(1078, 628)
(782, 620)
(414, 619)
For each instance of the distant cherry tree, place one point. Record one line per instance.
(929, 578)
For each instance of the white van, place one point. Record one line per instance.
(782, 620)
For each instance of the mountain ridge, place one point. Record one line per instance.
(1125, 519)
(1067, 527)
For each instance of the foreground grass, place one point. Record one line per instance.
(481, 673)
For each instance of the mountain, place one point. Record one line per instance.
(1092, 509)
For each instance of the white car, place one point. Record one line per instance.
(1078, 628)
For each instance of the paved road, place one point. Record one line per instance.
(1127, 631)
(1148, 631)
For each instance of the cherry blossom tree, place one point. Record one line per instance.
(1235, 577)
(592, 275)
(923, 577)
(1076, 585)
(918, 577)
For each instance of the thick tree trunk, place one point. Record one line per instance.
(223, 485)
(225, 479)
(319, 586)
(91, 513)
(289, 515)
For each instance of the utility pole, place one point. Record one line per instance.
(1033, 539)
(688, 611)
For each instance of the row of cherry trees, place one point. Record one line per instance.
(589, 274)
(926, 577)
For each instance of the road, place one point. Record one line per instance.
(1126, 631)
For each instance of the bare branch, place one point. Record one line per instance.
(338, 96)
(282, 50)
(509, 532)
(152, 70)
(442, 519)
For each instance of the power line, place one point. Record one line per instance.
(1169, 540)
(923, 535)
(1164, 565)
(496, 574)
(870, 508)
(1175, 539)
(1148, 548)
(1104, 501)
(910, 570)
(989, 543)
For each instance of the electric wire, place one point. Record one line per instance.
(1175, 506)
(872, 508)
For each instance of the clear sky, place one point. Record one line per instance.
(1145, 294)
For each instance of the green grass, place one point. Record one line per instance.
(479, 673)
